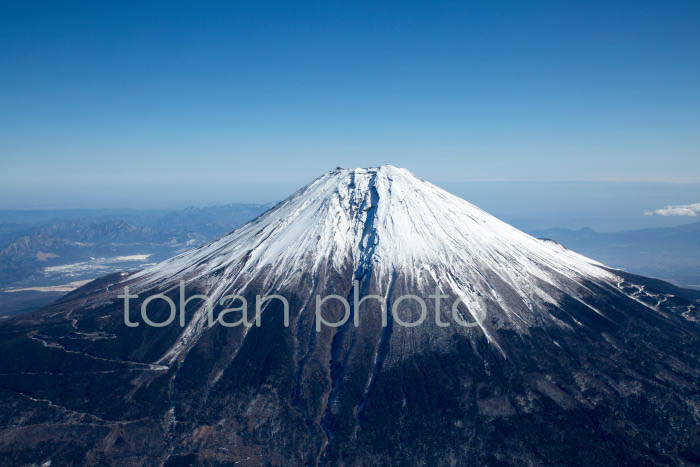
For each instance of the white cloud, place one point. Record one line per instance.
(692, 210)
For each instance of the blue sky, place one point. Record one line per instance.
(119, 94)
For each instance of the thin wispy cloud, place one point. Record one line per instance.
(692, 210)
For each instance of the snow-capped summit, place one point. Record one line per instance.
(378, 224)
(378, 219)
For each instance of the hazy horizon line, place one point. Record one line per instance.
(673, 180)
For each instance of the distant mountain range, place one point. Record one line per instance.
(53, 248)
(670, 253)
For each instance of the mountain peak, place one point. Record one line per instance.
(376, 224)
(388, 173)
(382, 215)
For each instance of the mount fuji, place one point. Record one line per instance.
(563, 360)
